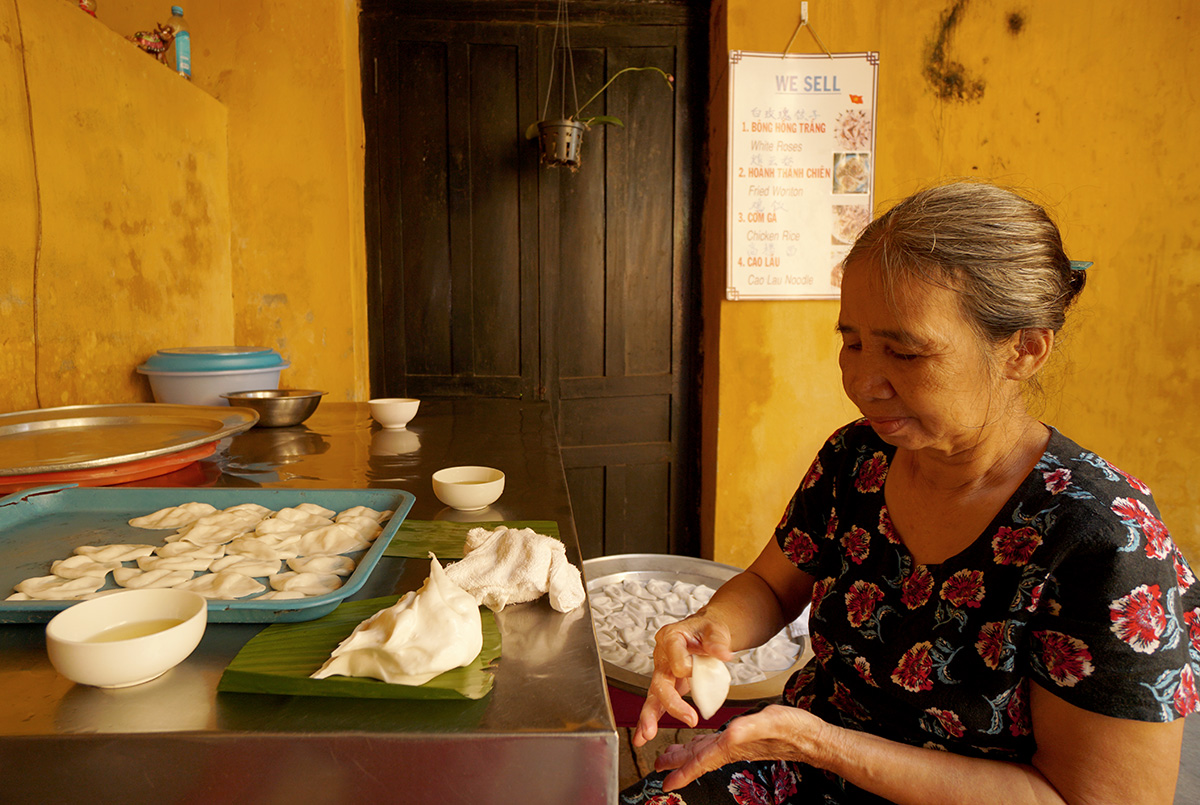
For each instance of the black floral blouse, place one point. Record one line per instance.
(1076, 585)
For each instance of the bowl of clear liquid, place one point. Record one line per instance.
(126, 638)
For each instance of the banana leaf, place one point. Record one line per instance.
(416, 538)
(281, 659)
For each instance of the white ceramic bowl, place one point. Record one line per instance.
(126, 638)
(394, 412)
(468, 489)
(206, 388)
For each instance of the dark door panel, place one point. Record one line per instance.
(492, 275)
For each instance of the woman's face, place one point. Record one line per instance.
(916, 369)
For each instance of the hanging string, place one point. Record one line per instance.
(562, 22)
(553, 56)
(570, 55)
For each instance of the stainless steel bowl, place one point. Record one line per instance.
(278, 408)
(603, 570)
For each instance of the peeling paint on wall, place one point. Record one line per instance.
(949, 78)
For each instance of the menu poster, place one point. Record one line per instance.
(801, 170)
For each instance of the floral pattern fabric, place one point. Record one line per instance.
(1075, 585)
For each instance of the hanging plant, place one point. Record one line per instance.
(561, 137)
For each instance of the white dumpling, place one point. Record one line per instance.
(710, 684)
(183, 548)
(136, 578)
(319, 511)
(659, 588)
(225, 584)
(254, 508)
(367, 528)
(114, 553)
(676, 605)
(425, 633)
(183, 561)
(78, 566)
(683, 589)
(246, 565)
(601, 604)
(280, 595)
(263, 548)
(174, 516)
(330, 539)
(307, 583)
(632, 634)
(276, 528)
(336, 564)
(56, 588)
(642, 609)
(218, 528)
(302, 518)
(640, 663)
(364, 511)
(636, 589)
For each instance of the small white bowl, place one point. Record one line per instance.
(126, 638)
(394, 412)
(468, 489)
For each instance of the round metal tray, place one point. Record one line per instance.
(80, 437)
(604, 570)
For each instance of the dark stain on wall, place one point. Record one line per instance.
(949, 78)
(1016, 22)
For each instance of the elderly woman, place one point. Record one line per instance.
(998, 614)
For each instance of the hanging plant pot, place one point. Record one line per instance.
(561, 141)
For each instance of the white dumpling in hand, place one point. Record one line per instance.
(710, 684)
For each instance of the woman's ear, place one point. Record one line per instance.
(1028, 352)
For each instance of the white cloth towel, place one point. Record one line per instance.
(511, 566)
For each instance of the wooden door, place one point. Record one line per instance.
(495, 276)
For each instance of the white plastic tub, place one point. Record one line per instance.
(206, 388)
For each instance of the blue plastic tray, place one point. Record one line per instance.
(40, 525)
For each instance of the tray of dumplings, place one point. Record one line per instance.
(257, 555)
(632, 596)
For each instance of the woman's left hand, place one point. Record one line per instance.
(777, 732)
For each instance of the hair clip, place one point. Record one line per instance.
(1080, 265)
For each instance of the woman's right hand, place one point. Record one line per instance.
(674, 645)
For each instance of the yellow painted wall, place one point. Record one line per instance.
(1087, 104)
(116, 230)
(225, 211)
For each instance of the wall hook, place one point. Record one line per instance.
(804, 24)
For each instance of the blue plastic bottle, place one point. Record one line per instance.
(182, 45)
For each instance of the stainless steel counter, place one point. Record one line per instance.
(545, 734)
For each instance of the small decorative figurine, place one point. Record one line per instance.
(155, 42)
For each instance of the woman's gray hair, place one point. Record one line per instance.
(1000, 252)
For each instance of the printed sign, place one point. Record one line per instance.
(801, 170)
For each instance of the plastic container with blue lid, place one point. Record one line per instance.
(200, 375)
